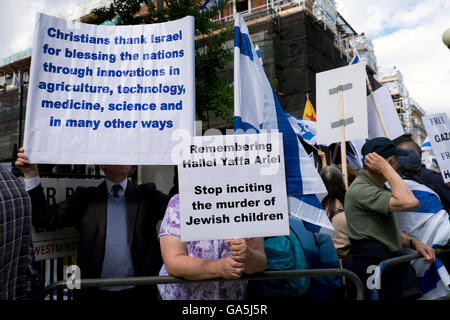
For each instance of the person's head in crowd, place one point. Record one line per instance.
(409, 166)
(352, 173)
(411, 145)
(407, 137)
(385, 148)
(116, 173)
(334, 182)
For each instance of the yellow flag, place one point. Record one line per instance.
(309, 113)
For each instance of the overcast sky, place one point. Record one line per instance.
(408, 34)
(405, 33)
(17, 21)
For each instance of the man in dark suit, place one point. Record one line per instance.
(117, 225)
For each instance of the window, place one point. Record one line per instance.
(241, 5)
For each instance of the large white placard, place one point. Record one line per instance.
(438, 131)
(388, 114)
(109, 94)
(233, 187)
(352, 78)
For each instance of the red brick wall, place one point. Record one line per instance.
(258, 3)
(228, 10)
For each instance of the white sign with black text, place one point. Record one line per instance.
(438, 130)
(233, 186)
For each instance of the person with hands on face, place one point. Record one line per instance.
(201, 260)
(372, 225)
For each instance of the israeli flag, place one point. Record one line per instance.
(209, 4)
(256, 107)
(353, 161)
(355, 59)
(426, 145)
(431, 225)
(357, 147)
(304, 129)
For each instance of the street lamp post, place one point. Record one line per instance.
(446, 37)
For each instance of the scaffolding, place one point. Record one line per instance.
(13, 94)
(409, 112)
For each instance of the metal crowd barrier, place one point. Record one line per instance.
(267, 275)
(403, 259)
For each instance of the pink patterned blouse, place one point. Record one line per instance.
(213, 249)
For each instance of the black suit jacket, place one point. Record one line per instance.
(86, 210)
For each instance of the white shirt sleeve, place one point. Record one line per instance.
(32, 183)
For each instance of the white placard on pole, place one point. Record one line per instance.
(438, 131)
(351, 81)
(109, 94)
(233, 186)
(388, 113)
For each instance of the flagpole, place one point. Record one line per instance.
(314, 147)
(343, 144)
(376, 108)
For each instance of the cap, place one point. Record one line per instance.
(412, 159)
(384, 147)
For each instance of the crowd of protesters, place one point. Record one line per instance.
(129, 230)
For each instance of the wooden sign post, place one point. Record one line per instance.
(342, 116)
(343, 142)
(341, 124)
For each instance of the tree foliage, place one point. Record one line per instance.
(212, 93)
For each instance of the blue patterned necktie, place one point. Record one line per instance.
(115, 189)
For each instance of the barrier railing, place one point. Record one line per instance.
(267, 275)
(403, 259)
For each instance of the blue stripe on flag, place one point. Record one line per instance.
(239, 124)
(426, 146)
(438, 263)
(242, 41)
(291, 155)
(429, 202)
(205, 5)
(353, 161)
(430, 279)
(311, 227)
(355, 60)
(310, 199)
(306, 136)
